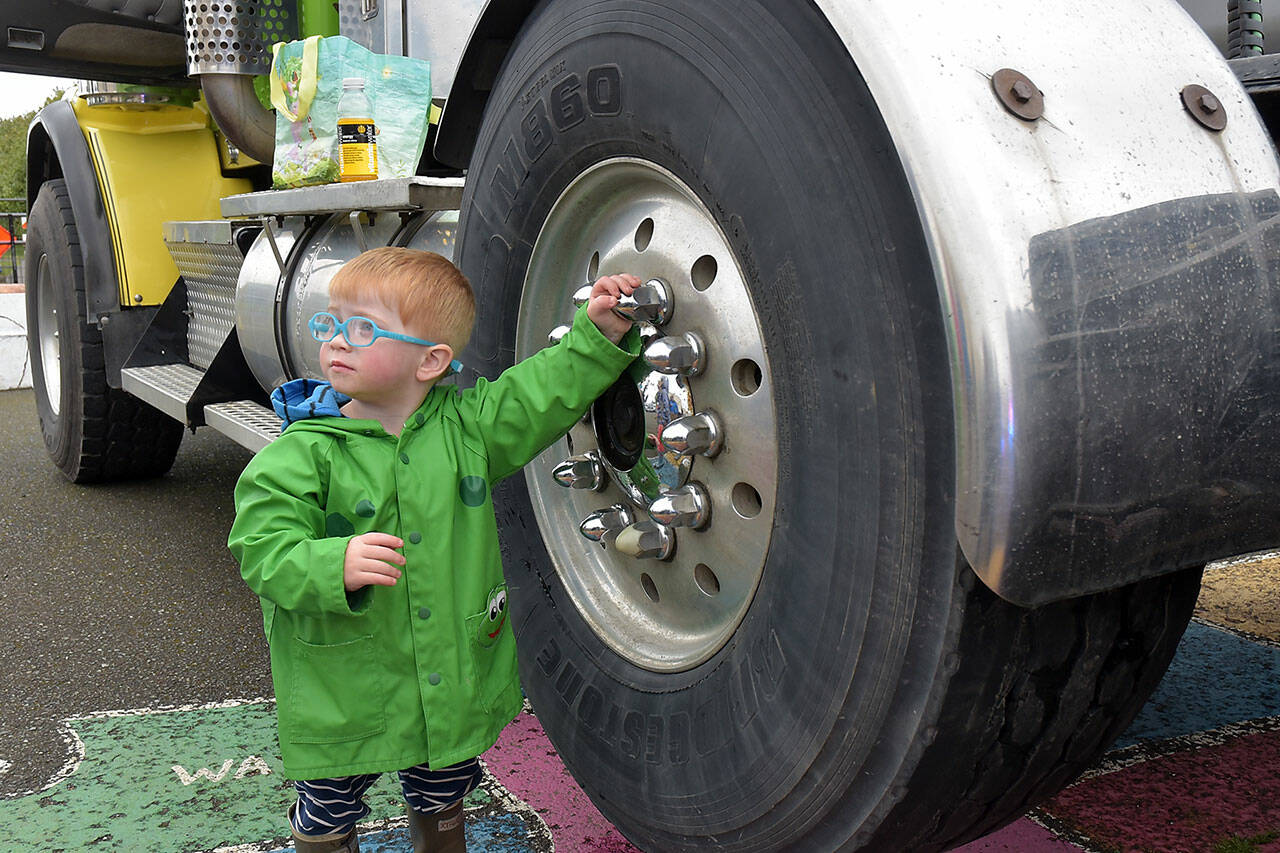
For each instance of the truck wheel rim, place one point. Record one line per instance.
(47, 335)
(666, 615)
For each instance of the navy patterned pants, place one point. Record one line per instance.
(328, 806)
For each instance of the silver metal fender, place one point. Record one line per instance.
(1103, 272)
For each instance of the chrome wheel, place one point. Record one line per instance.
(662, 538)
(47, 334)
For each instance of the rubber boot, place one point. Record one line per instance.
(338, 842)
(441, 832)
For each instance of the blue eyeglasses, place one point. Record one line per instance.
(361, 332)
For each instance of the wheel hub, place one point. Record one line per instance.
(47, 334)
(662, 537)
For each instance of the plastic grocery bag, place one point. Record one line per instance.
(306, 82)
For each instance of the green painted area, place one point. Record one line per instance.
(174, 780)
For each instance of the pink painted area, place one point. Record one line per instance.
(1186, 801)
(526, 764)
(1021, 836)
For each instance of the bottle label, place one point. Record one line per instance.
(357, 150)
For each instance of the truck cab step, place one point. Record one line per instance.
(170, 387)
(167, 387)
(245, 422)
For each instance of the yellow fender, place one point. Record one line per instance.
(153, 165)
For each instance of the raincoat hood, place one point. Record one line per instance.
(307, 398)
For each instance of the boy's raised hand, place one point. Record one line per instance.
(604, 296)
(368, 560)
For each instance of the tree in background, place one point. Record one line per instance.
(13, 155)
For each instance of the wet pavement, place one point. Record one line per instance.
(135, 708)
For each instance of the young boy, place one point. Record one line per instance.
(367, 531)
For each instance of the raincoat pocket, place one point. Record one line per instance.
(335, 694)
(493, 651)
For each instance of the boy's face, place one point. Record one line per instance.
(378, 372)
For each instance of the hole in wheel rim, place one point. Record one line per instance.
(650, 588)
(706, 579)
(703, 272)
(644, 235)
(746, 500)
(746, 377)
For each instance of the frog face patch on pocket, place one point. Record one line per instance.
(491, 622)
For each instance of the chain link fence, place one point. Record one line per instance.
(13, 219)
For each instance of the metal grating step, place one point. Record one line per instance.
(168, 387)
(244, 422)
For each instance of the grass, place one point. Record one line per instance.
(1235, 844)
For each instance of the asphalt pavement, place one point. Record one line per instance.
(114, 597)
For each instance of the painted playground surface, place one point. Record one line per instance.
(1199, 770)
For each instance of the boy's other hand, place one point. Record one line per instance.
(604, 296)
(369, 558)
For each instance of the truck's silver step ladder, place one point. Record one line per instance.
(209, 262)
(169, 387)
(244, 422)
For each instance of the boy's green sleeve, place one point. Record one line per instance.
(537, 400)
(279, 538)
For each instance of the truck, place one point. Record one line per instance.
(962, 356)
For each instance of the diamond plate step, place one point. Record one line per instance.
(168, 387)
(244, 422)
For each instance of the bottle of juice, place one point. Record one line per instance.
(357, 135)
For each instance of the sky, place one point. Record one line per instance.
(20, 93)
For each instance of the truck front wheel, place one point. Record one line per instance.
(93, 432)
(802, 660)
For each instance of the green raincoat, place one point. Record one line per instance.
(389, 677)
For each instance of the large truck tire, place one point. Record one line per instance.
(94, 433)
(816, 668)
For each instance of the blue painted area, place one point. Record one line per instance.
(1216, 678)
(492, 834)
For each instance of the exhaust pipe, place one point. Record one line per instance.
(228, 43)
(239, 115)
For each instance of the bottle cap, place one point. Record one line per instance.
(353, 83)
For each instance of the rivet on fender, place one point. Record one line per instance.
(1018, 94)
(1204, 107)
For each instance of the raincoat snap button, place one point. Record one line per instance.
(419, 419)
(434, 678)
(404, 457)
(415, 537)
(424, 612)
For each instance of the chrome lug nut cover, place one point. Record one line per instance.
(584, 471)
(557, 334)
(646, 540)
(649, 303)
(676, 354)
(602, 522)
(700, 433)
(687, 506)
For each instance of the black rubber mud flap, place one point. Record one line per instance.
(875, 696)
